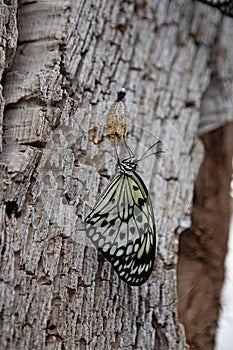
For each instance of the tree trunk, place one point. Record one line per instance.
(60, 79)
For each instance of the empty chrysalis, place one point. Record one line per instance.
(116, 119)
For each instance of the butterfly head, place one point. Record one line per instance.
(128, 164)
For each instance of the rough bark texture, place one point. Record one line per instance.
(8, 44)
(71, 58)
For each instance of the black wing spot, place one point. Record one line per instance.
(141, 231)
(135, 188)
(122, 235)
(112, 222)
(104, 223)
(111, 232)
(91, 222)
(139, 218)
(132, 229)
(99, 215)
(141, 201)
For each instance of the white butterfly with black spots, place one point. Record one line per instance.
(122, 225)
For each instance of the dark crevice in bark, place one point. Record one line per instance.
(203, 247)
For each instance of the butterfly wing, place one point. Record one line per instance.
(122, 227)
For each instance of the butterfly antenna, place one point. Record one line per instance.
(131, 154)
(152, 154)
(153, 145)
(116, 153)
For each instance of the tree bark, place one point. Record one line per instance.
(71, 57)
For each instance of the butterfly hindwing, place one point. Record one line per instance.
(122, 227)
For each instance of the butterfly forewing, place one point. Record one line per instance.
(122, 227)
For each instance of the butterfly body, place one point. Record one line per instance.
(122, 225)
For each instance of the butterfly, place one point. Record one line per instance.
(116, 119)
(122, 224)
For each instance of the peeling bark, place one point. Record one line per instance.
(8, 40)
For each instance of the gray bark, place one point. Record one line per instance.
(57, 292)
